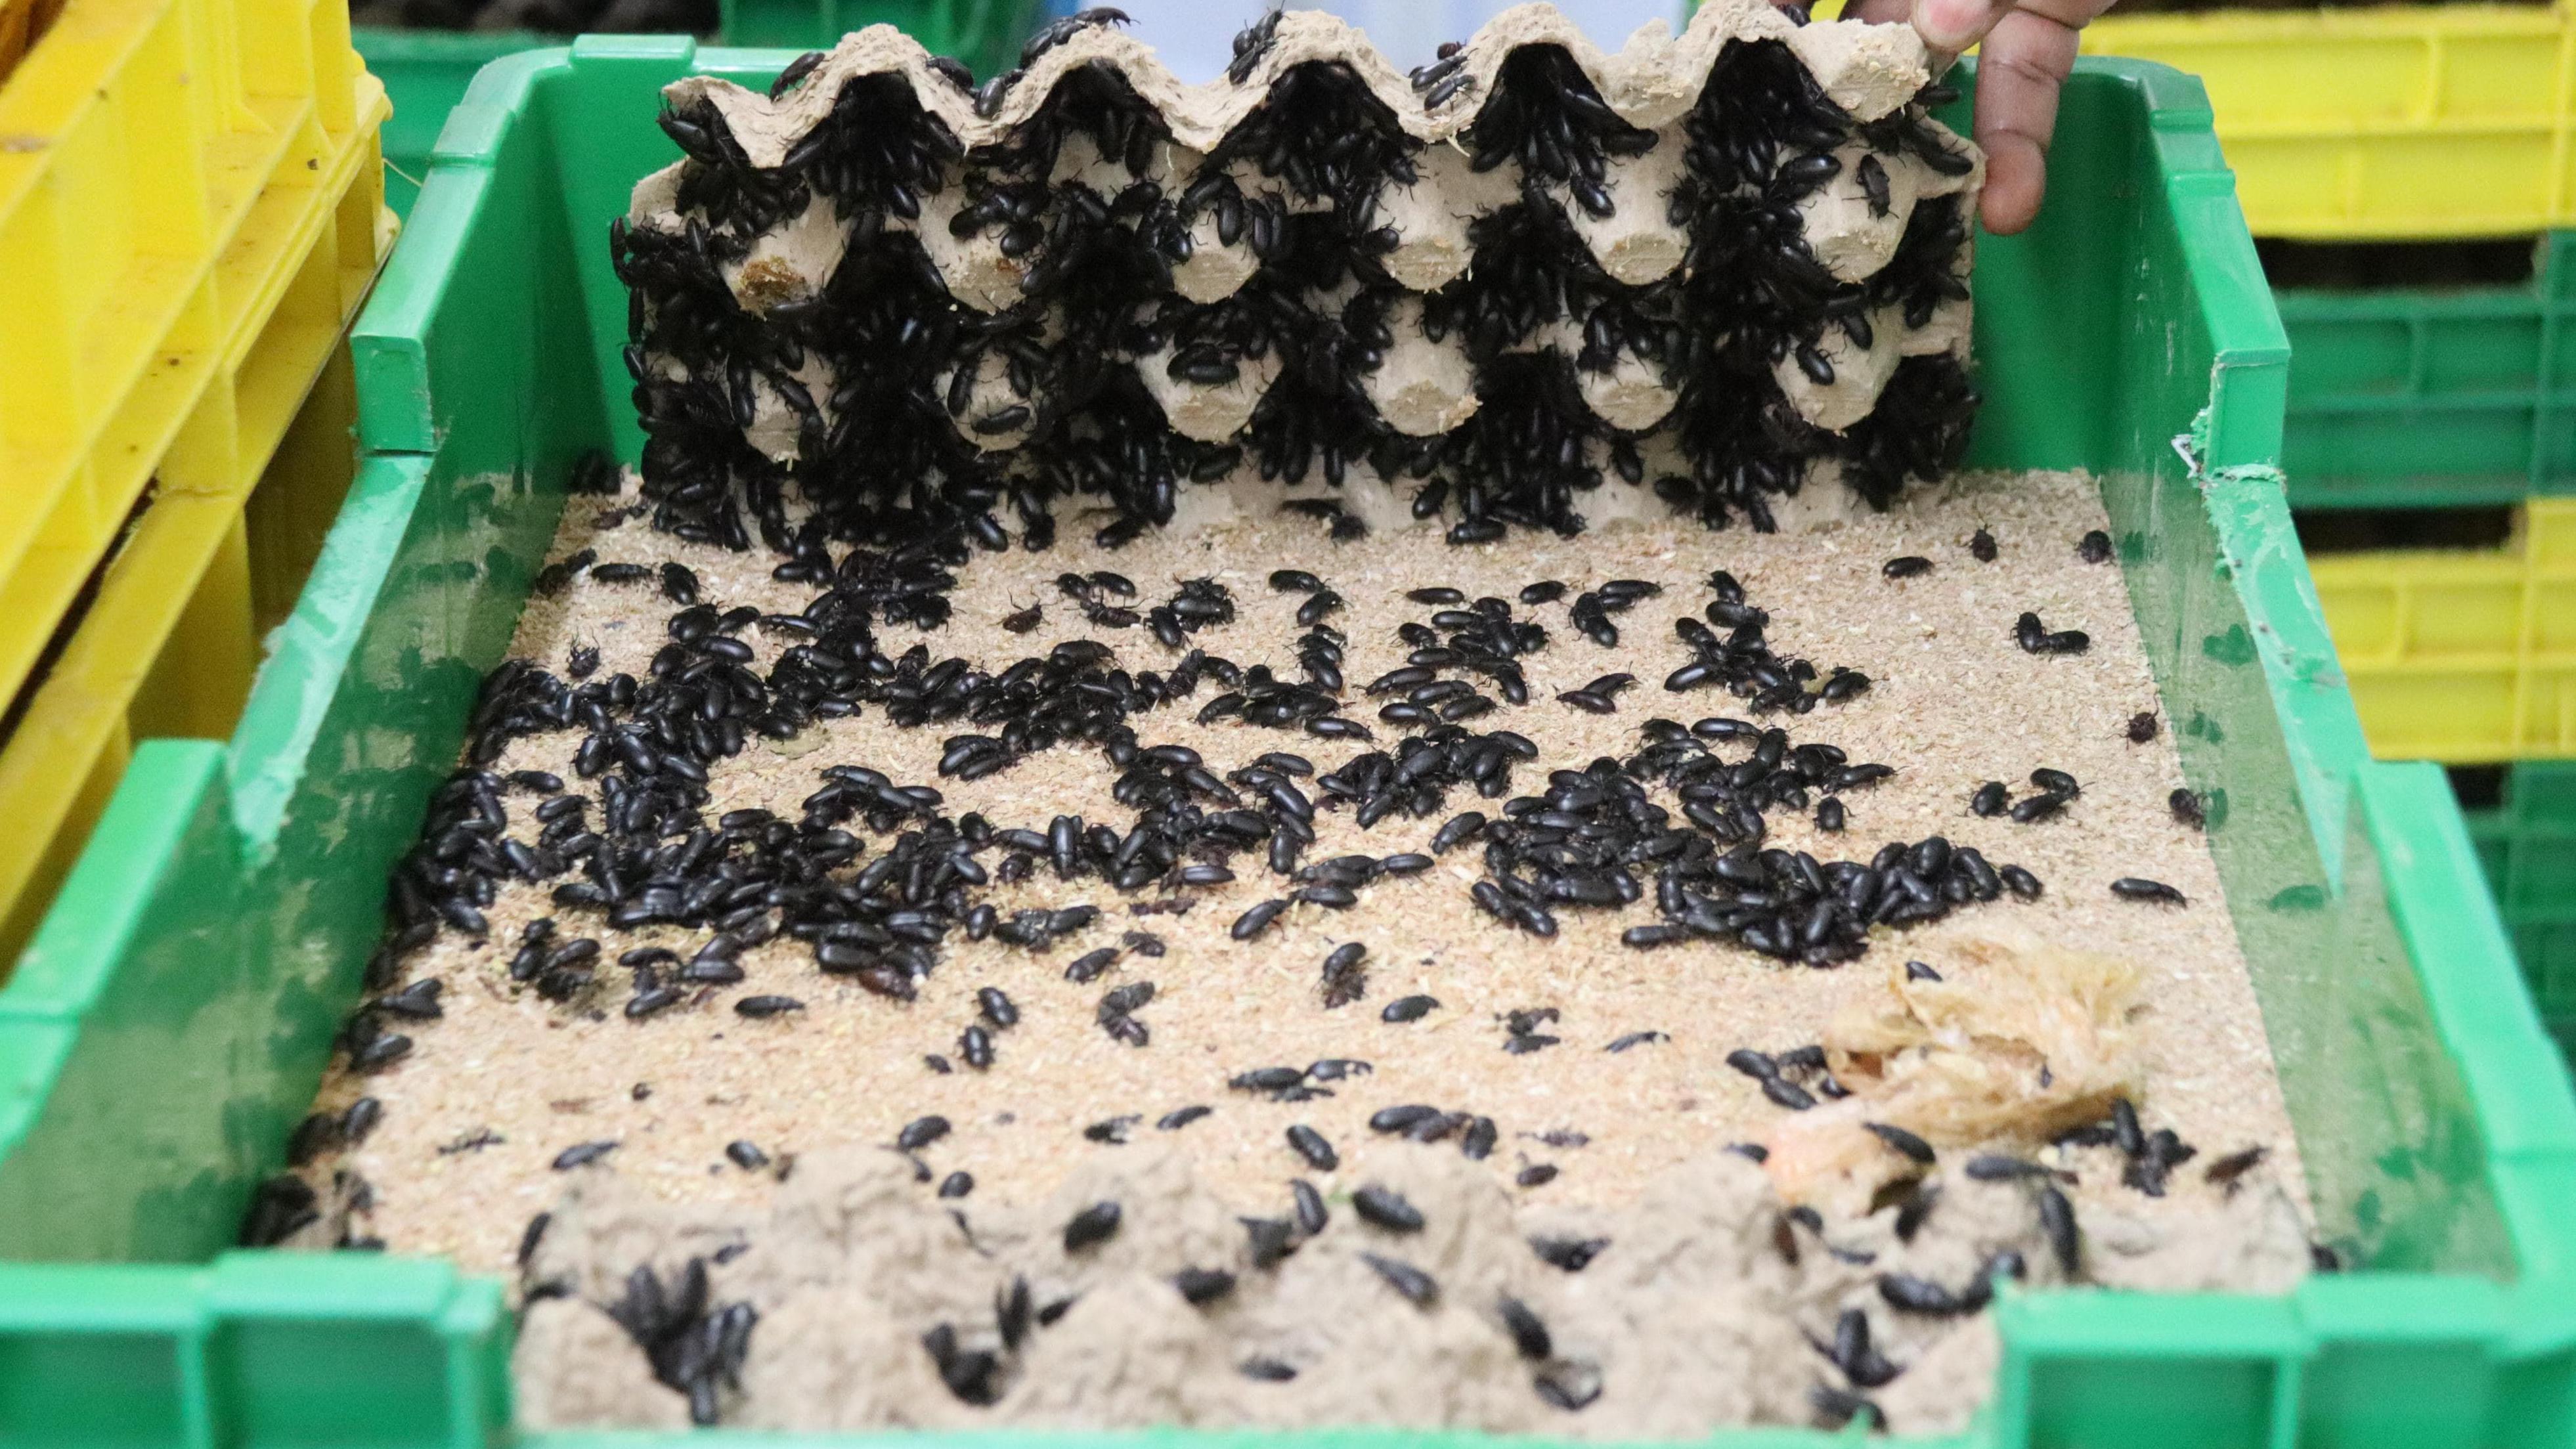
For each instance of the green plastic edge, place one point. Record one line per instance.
(2435, 398)
(426, 72)
(256, 1348)
(986, 34)
(2332, 1358)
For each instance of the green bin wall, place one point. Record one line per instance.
(173, 1016)
(986, 34)
(426, 72)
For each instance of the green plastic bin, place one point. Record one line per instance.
(2422, 398)
(986, 34)
(171, 1020)
(2527, 842)
(426, 71)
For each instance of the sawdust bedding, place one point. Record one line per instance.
(876, 1286)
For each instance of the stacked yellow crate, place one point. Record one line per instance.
(191, 209)
(2464, 656)
(2400, 122)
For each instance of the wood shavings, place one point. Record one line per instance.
(2021, 1040)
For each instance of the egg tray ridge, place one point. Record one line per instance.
(1530, 284)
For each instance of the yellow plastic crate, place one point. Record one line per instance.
(191, 210)
(2405, 121)
(191, 206)
(2464, 657)
(166, 645)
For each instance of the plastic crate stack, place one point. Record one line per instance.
(191, 210)
(426, 69)
(2430, 126)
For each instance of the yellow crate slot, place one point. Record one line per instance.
(167, 168)
(22, 24)
(2464, 657)
(169, 645)
(17, 26)
(243, 433)
(2404, 121)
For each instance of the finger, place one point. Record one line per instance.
(2073, 14)
(2019, 74)
(2016, 183)
(1879, 12)
(1874, 11)
(1869, 10)
(1952, 26)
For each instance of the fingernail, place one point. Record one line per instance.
(1949, 25)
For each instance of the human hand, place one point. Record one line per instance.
(2029, 50)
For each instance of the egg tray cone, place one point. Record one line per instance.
(1530, 284)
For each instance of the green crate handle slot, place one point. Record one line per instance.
(2527, 843)
(2434, 398)
(174, 1015)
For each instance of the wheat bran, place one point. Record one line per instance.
(1955, 703)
